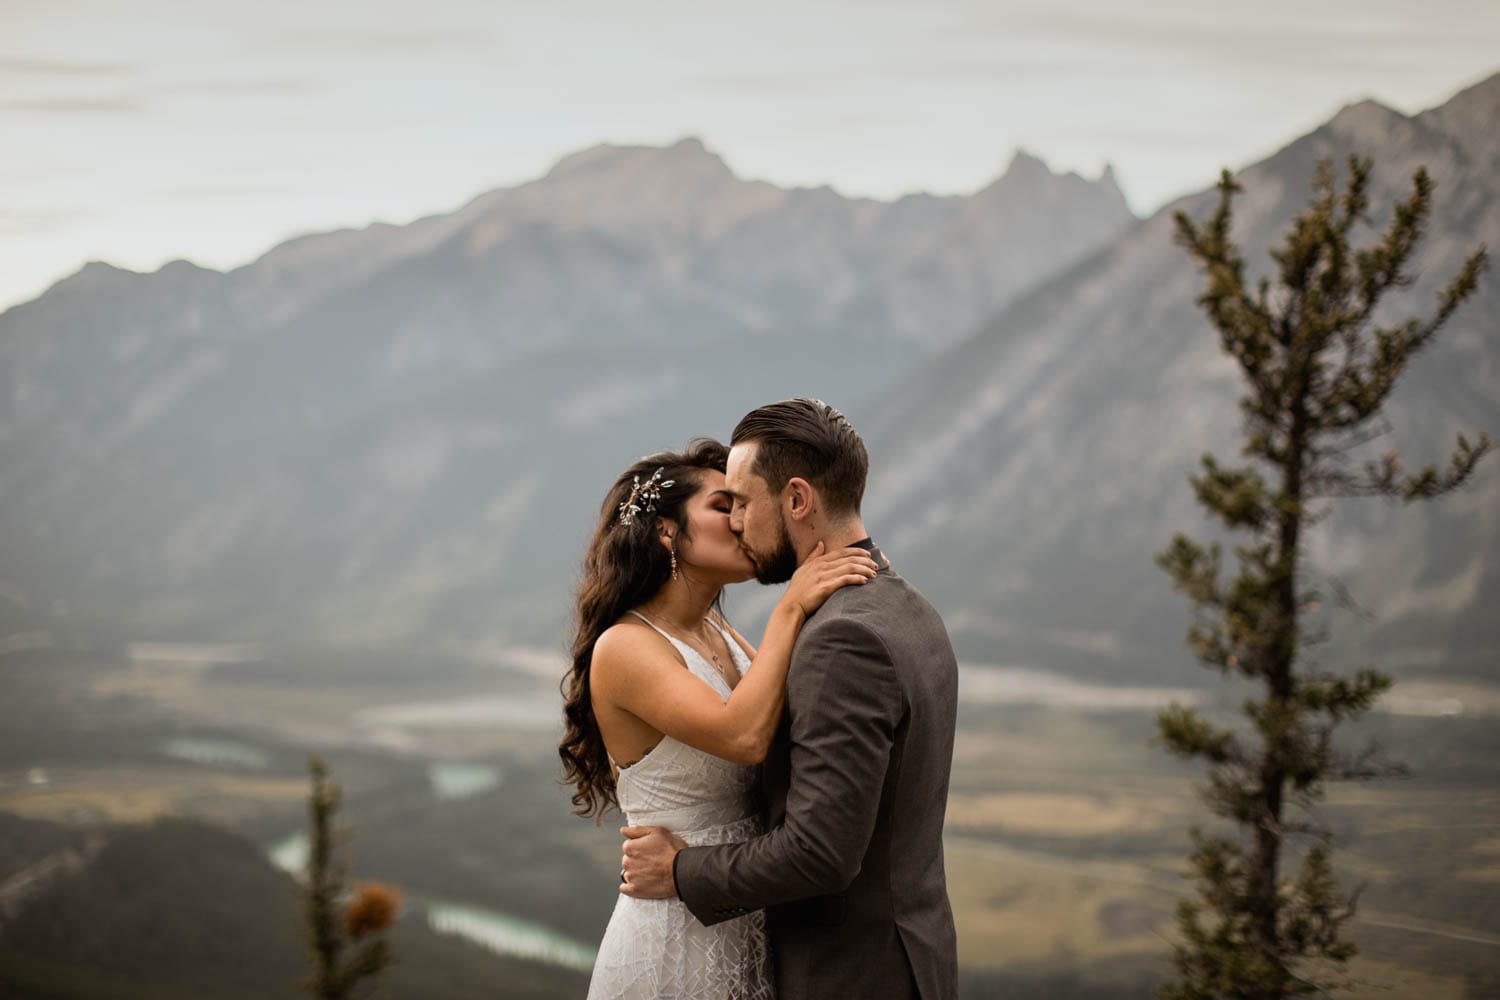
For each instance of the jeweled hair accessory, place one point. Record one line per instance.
(643, 497)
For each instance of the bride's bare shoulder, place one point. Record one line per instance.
(627, 645)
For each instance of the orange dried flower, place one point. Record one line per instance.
(372, 908)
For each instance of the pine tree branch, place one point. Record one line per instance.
(1362, 385)
(1346, 600)
(1184, 732)
(1369, 764)
(1194, 570)
(1382, 267)
(1349, 439)
(1237, 496)
(1387, 477)
(1244, 323)
(1341, 698)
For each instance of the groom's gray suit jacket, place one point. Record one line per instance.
(850, 870)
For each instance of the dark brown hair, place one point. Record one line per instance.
(624, 566)
(811, 440)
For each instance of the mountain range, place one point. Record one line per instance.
(402, 432)
(399, 436)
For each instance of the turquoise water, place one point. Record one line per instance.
(507, 935)
(461, 780)
(214, 751)
(290, 854)
(499, 932)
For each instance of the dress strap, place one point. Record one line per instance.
(653, 624)
(689, 652)
(734, 647)
(682, 647)
(728, 639)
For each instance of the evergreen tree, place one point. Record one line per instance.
(1318, 370)
(336, 919)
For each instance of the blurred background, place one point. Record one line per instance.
(323, 330)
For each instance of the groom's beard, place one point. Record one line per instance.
(780, 564)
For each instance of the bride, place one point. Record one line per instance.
(666, 720)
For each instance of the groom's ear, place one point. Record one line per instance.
(801, 498)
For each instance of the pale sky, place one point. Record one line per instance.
(138, 132)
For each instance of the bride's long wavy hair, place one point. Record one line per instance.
(625, 565)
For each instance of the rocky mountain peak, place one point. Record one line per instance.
(94, 277)
(100, 276)
(1367, 124)
(1109, 181)
(688, 158)
(1025, 166)
(1028, 179)
(670, 191)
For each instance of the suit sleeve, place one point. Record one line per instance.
(845, 704)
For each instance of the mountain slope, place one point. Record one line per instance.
(1027, 475)
(180, 908)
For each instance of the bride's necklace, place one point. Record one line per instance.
(702, 646)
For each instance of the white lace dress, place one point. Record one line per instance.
(654, 949)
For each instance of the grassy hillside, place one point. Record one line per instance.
(180, 908)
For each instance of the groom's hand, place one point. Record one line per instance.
(646, 862)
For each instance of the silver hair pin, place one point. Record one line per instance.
(643, 497)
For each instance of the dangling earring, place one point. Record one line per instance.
(674, 562)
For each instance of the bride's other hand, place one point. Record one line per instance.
(823, 573)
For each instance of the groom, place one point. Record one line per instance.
(850, 872)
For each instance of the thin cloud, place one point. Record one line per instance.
(75, 106)
(1002, 67)
(780, 82)
(357, 39)
(1250, 38)
(23, 66)
(225, 192)
(15, 222)
(249, 88)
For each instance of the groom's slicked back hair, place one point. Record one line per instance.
(808, 439)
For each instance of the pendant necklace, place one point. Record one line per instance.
(703, 648)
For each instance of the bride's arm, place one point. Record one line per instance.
(631, 671)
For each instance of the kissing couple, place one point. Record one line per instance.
(783, 805)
